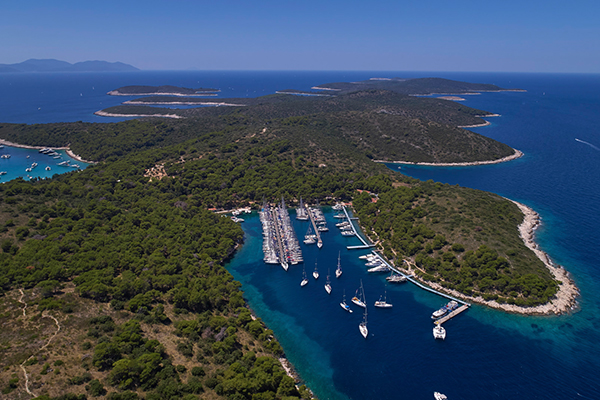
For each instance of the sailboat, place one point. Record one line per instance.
(383, 303)
(310, 238)
(344, 305)
(328, 284)
(362, 327)
(316, 272)
(359, 297)
(338, 271)
(304, 278)
(301, 213)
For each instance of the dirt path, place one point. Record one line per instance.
(44, 315)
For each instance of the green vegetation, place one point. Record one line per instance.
(167, 89)
(128, 254)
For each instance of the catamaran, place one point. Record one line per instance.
(328, 284)
(359, 296)
(439, 332)
(304, 278)
(338, 271)
(344, 305)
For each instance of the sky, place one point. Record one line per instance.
(400, 35)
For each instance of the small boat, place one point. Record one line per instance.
(27, 169)
(64, 164)
(316, 272)
(319, 243)
(451, 306)
(322, 228)
(48, 168)
(368, 257)
(347, 233)
(304, 278)
(339, 216)
(3, 173)
(74, 166)
(359, 296)
(439, 396)
(396, 278)
(379, 268)
(328, 284)
(383, 303)
(337, 206)
(338, 271)
(376, 262)
(344, 305)
(5, 156)
(284, 265)
(310, 237)
(34, 165)
(301, 213)
(439, 332)
(362, 327)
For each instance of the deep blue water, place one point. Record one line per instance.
(487, 354)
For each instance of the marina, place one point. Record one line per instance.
(365, 245)
(280, 245)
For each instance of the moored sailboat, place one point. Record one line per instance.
(344, 305)
(338, 271)
(383, 303)
(328, 284)
(359, 296)
(362, 327)
(304, 278)
(315, 272)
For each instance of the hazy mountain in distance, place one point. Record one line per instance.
(51, 65)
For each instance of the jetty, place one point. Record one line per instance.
(451, 315)
(316, 229)
(419, 284)
(365, 245)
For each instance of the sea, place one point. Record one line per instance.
(487, 354)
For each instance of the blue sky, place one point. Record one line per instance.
(426, 35)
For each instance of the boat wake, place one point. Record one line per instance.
(589, 144)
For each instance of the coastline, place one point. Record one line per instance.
(185, 103)
(565, 299)
(105, 114)
(517, 154)
(26, 146)
(117, 93)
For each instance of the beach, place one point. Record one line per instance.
(517, 154)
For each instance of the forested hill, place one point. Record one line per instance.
(417, 86)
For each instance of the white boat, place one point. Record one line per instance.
(27, 169)
(347, 233)
(64, 164)
(439, 332)
(338, 271)
(5, 156)
(284, 265)
(395, 278)
(344, 305)
(301, 213)
(316, 272)
(359, 296)
(374, 263)
(379, 268)
(362, 327)
(319, 243)
(328, 284)
(48, 168)
(439, 396)
(383, 303)
(337, 206)
(310, 237)
(3, 173)
(323, 228)
(304, 278)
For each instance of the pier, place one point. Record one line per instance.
(314, 224)
(453, 314)
(365, 245)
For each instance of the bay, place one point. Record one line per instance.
(487, 354)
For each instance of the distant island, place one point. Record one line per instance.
(52, 65)
(418, 86)
(165, 90)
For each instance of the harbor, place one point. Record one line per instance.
(280, 245)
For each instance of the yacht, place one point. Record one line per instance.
(344, 305)
(64, 164)
(316, 272)
(338, 271)
(347, 233)
(362, 327)
(359, 296)
(379, 268)
(439, 396)
(304, 278)
(383, 303)
(328, 284)
(284, 265)
(395, 278)
(439, 332)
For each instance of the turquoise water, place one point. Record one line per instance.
(487, 354)
(21, 159)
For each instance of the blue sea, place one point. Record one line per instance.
(487, 354)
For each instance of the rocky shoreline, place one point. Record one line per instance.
(517, 154)
(105, 114)
(563, 302)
